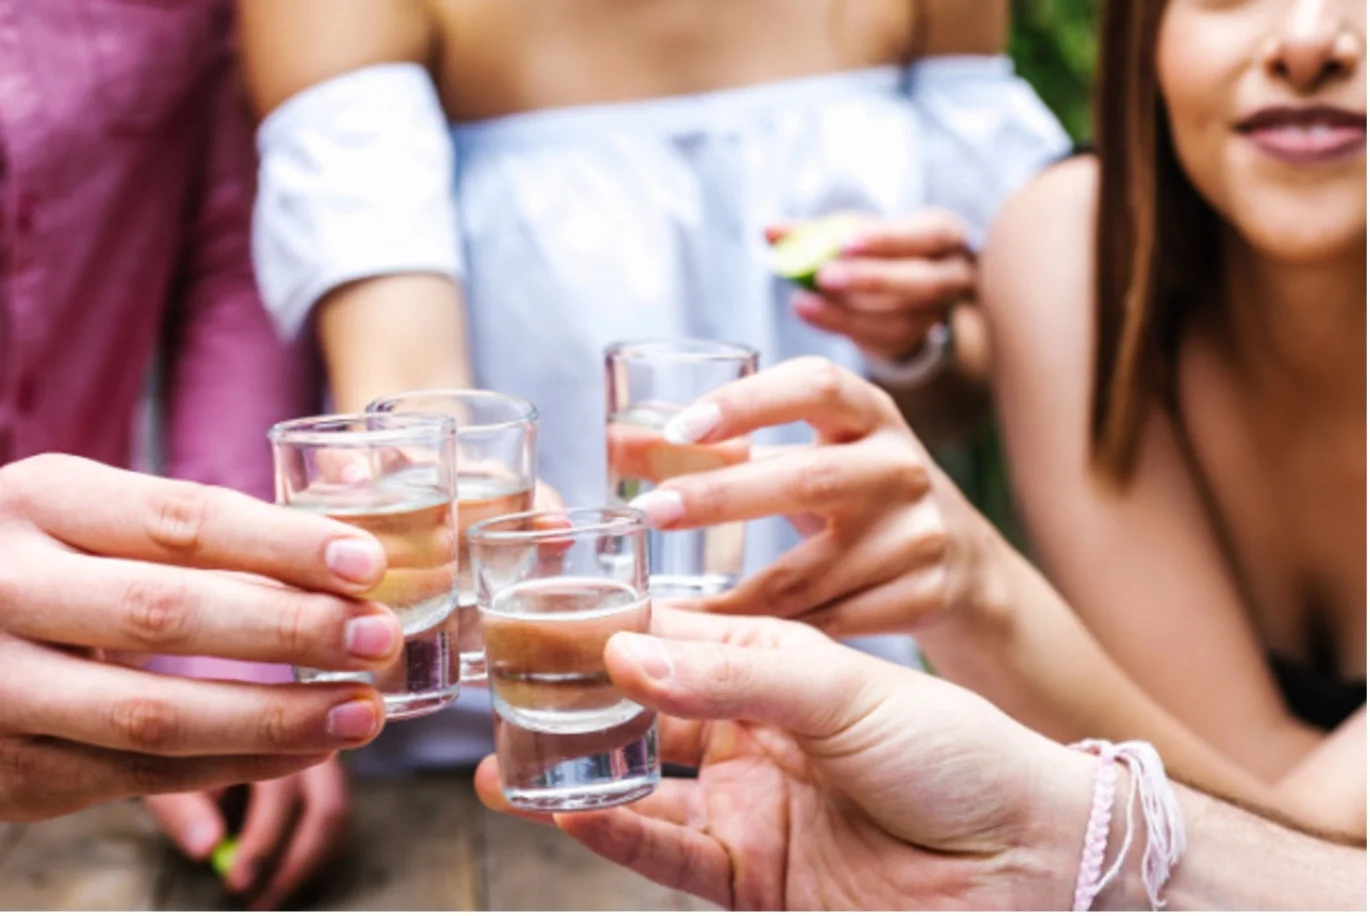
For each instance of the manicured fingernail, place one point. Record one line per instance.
(356, 560)
(663, 507)
(693, 423)
(200, 838)
(834, 276)
(806, 303)
(373, 636)
(353, 720)
(648, 653)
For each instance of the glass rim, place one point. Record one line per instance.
(386, 406)
(676, 349)
(402, 428)
(609, 519)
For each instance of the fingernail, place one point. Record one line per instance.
(834, 276)
(373, 636)
(353, 720)
(854, 245)
(355, 560)
(663, 507)
(692, 424)
(200, 838)
(648, 653)
(806, 303)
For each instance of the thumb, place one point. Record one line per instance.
(815, 690)
(191, 819)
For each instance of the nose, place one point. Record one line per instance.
(1314, 43)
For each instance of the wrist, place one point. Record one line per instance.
(1054, 818)
(915, 368)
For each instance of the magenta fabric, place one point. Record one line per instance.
(126, 185)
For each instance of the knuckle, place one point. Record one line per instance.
(820, 483)
(176, 516)
(827, 382)
(20, 766)
(274, 729)
(145, 724)
(295, 634)
(157, 613)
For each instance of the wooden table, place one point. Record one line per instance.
(419, 843)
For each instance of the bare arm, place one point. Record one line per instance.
(961, 27)
(380, 334)
(1141, 568)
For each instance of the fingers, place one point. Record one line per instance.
(270, 810)
(101, 510)
(815, 691)
(70, 599)
(912, 283)
(315, 837)
(889, 335)
(816, 480)
(546, 498)
(124, 709)
(929, 233)
(191, 819)
(42, 778)
(838, 404)
(899, 605)
(765, 632)
(684, 858)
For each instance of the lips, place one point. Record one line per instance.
(1306, 135)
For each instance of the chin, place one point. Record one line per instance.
(1301, 225)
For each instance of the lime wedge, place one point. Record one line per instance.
(221, 859)
(798, 256)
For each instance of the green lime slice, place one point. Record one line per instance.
(221, 859)
(798, 256)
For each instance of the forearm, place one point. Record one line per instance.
(384, 335)
(1236, 860)
(1025, 650)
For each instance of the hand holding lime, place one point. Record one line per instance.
(800, 254)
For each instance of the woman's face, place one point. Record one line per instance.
(1266, 100)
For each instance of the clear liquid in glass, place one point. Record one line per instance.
(566, 738)
(480, 496)
(415, 526)
(705, 561)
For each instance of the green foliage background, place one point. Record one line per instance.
(1055, 49)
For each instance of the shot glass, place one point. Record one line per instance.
(553, 587)
(647, 383)
(395, 477)
(496, 475)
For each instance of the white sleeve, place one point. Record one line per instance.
(985, 133)
(357, 179)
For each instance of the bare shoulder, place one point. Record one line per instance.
(964, 26)
(1037, 269)
(290, 45)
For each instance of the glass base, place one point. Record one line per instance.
(677, 585)
(586, 798)
(412, 706)
(424, 680)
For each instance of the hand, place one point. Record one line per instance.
(894, 280)
(891, 543)
(830, 780)
(98, 560)
(303, 817)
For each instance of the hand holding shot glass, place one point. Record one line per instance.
(647, 384)
(553, 587)
(394, 476)
(496, 475)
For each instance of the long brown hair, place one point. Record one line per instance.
(1156, 239)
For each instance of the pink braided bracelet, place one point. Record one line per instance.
(1165, 840)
